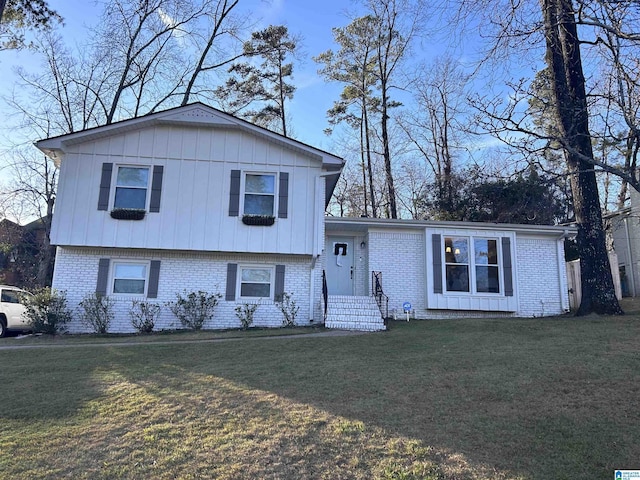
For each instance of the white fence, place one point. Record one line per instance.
(573, 280)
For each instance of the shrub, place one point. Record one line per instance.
(96, 311)
(289, 309)
(144, 315)
(46, 311)
(194, 308)
(245, 313)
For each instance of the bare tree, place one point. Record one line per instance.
(397, 23)
(353, 65)
(33, 184)
(435, 126)
(557, 22)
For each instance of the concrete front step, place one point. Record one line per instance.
(354, 313)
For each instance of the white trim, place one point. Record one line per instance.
(112, 276)
(472, 300)
(472, 265)
(272, 280)
(276, 187)
(114, 184)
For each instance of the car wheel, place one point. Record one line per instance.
(3, 327)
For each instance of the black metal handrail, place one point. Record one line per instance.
(376, 290)
(325, 293)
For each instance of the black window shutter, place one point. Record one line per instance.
(436, 244)
(234, 194)
(154, 277)
(105, 186)
(279, 283)
(507, 266)
(283, 195)
(232, 273)
(156, 188)
(103, 276)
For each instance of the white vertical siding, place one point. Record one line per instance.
(195, 194)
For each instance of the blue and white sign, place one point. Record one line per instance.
(627, 475)
(406, 306)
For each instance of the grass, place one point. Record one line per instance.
(173, 336)
(463, 399)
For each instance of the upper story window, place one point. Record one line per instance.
(132, 184)
(259, 194)
(471, 265)
(130, 278)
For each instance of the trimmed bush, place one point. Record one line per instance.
(289, 309)
(96, 311)
(245, 314)
(144, 315)
(194, 309)
(46, 311)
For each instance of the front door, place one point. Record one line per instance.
(340, 265)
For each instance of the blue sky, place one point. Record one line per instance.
(311, 20)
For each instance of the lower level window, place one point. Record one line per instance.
(129, 278)
(255, 282)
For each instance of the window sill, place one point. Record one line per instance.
(259, 220)
(128, 213)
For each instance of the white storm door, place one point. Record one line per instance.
(340, 266)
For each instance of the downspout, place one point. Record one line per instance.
(562, 272)
(632, 268)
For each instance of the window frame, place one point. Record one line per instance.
(272, 280)
(113, 278)
(114, 186)
(244, 193)
(472, 265)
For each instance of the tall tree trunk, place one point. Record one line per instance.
(362, 164)
(568, 86)
(365, 112)
(46, 251)
(387, 153)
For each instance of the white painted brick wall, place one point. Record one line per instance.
(76, 273)
(400, 256)
(539, 277)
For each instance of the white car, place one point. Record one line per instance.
(11, 310)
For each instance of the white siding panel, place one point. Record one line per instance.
(116, 145)
(174, 145)
(232, 140)
(189, 143)
(203, 145)
(132, 144)
(195, 193)
(146, 143)
(160, 142)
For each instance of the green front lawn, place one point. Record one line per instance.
(507, 399)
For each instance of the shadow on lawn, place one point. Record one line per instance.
(531, 399)
(488, 399)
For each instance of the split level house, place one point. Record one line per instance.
(193, 199)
